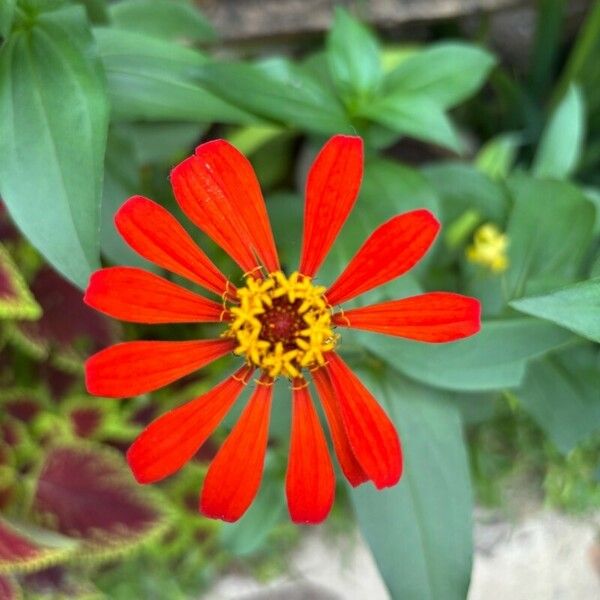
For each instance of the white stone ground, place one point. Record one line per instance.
(547, 556)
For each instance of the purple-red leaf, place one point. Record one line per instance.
(88, 493)
(57, 582)
(19, 552)
(9, 589)
(68, 328)
(16, 301)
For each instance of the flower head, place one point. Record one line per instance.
(489, 248)
(279, 325)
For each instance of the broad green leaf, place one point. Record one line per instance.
(561, 392)
(97, 10)
(278, 91)
(353, 56)
(549, 231)
(7, 14)
(493, 359)
(420, 531)
(53, 122)
(121, 181)
(170, 19)
(561, 143)
(152, 79)
(463, 188)
(251, 532)
(16, 301)
(413, 114)
(496, 158)
(576, 307)
(447, 73)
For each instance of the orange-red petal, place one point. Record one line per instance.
(434, 317)
(234, 475)
(372, 435)
(156, 235)
(345, 455)
(310, 482)
(131, 294)
(234, 176)
(201, 195)
(331, 191)
(172, 440)
(133, 368)
(390, 251)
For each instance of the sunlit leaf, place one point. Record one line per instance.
(576, 307)
(561, 143)
(16, 301)
(496, 157)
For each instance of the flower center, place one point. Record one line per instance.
(282, 324)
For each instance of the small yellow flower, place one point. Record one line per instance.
(489, 248)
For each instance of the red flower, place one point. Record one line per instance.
(281, 325)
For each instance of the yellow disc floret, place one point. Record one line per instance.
(489, 248)
(282, 324)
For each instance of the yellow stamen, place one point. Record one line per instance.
(489, 248)
(282, 324)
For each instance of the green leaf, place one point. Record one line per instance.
(420, 531)
(97, 10)
(279, 91)
(121, 181)
(53, 122)
(7, 15)
(251, 532)
(549, 231)
(497, 157)
(463, 188)
(576, 307)
(16, 301)
(169, 19)
(493, 359)
(353, 56)
(415, 115)
(561, 143)
(447, 73)
(152, 79)
(561, 393)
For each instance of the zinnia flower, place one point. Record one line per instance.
(279, 325)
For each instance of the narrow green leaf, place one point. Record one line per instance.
(420, 531)
(416, 115)
(446, 73)
(278, 91)
(493, 359)
(53, 122)
(561, 393)
(153, 79)
(170, 19)
(549, 231)
(561, 143)
(353, 56)
(576, 307)
(7, 14)
(496, 158)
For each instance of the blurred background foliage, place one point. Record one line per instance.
(98, 100)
